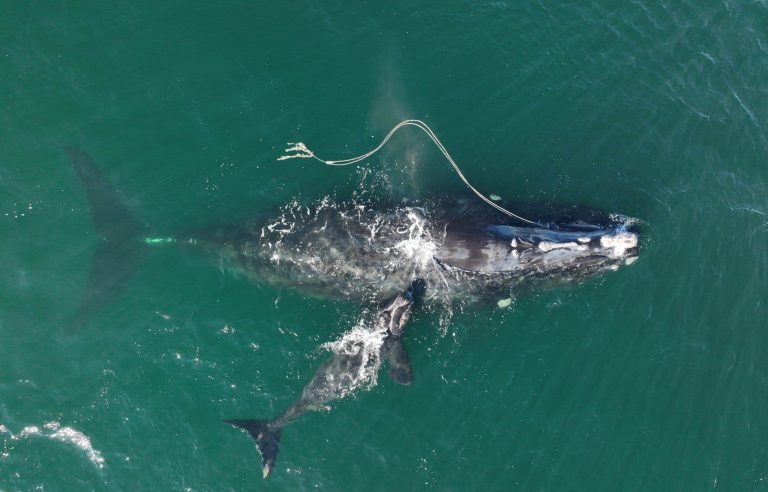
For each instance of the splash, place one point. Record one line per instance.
(53, 430)
(363, 341)
(419, 247)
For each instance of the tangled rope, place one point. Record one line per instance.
(300, 151)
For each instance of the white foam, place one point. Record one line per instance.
(80, 440)
(419, 246)
(53, 430)
(365, 341)
(27, 431)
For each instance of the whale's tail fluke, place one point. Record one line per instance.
(267, 437)
(110, 217)
(117, 258)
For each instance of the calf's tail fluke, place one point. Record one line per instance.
(267, 437)
(118, 256)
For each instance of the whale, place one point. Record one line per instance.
(371, 251)
(386, 255)
(338, 376)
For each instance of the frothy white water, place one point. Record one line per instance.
(53, 430)
(364, 340)
(419, 247)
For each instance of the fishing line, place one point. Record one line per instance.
(300, 151)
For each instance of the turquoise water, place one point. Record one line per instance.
(651, 378)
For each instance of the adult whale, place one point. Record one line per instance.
(367, 250)
(371, 250)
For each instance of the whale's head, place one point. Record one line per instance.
(394, 315)
(569, 251)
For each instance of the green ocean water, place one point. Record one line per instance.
(654, 377)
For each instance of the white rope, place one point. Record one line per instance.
(300, 151)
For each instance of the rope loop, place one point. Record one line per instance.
(298, 150)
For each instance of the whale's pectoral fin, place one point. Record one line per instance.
(393, 350)
(118, 256)
(267, 438)
(398, 361)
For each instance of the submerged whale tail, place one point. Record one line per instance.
(267, 437)
(118, 256)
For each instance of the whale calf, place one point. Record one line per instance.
(338, 376)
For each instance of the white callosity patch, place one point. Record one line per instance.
(549, 246)
(54, 431)
(619, 243)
